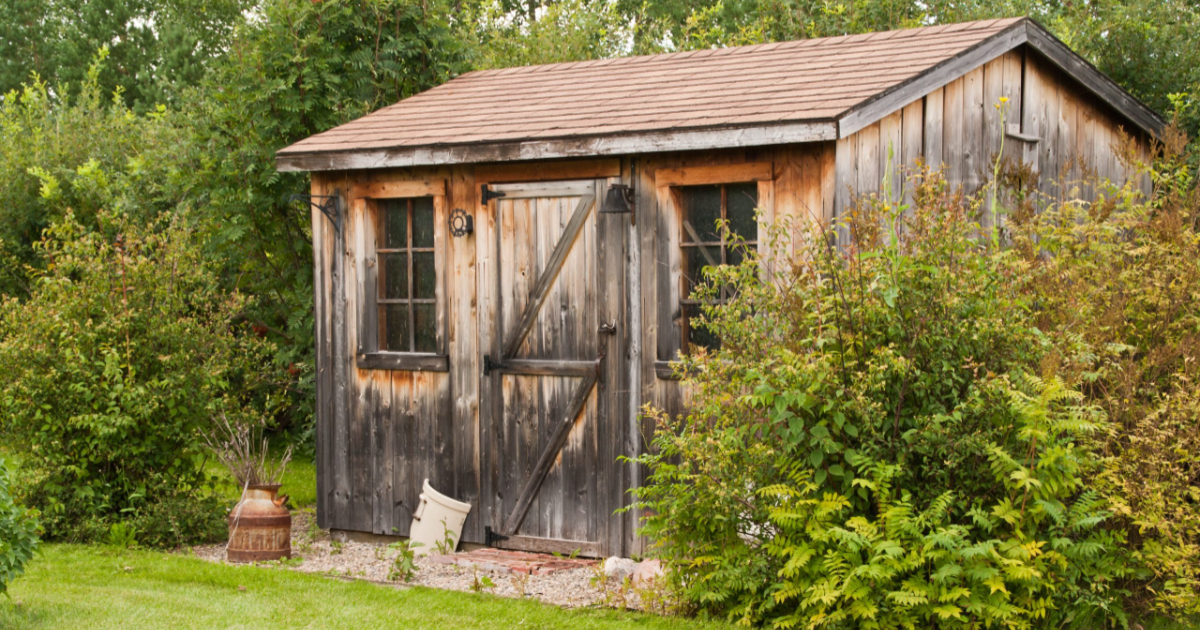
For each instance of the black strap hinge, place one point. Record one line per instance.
(487, 194)
(490, 537)
(489, 364)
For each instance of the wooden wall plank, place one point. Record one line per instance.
(400, 189)
(323, 410)
(993, 131)
(844, 184)
(974, 159)
(465, 370)
(547, 171)
(953, 149)
(713, 174)
(1051, 156)
(868, 175)
(934, 129)
(912, 143)
(1033, 117)
(891, 156)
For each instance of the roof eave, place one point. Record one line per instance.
(554, 148)
(1025, 31)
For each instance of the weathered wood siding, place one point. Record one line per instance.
(958, 128)
(381, 432)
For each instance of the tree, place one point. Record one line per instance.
(158, 47)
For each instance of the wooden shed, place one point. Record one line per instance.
(503, 262)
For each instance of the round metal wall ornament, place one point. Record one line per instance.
(461, 223)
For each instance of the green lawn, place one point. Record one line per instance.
(73, 586)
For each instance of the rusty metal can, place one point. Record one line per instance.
(260, 528)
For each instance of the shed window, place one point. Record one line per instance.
(705, 242)
(407, 299)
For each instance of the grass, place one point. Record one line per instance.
(75, 586)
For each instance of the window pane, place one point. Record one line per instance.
(696, 335)
(393, 276)
(695, 259)
(701, 211)
(423, 222)
(741, 200)
(393, 327)
(424, 275)
(426, 329)
(395, 224)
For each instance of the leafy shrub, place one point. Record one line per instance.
(18, 533)
(124, 350)
(875, 444)
(181, 519)
(1117, 284)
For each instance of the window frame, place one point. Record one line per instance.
(669, 183)
(367, 221)
(723, 247)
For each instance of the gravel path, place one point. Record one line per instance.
(314, 552)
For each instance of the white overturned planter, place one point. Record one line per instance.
(438, 517)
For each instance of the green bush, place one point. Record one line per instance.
(18, 533)
(124, 351)
(876, 443)
(1117, 285)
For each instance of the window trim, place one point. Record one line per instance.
(365, 221)
(668, 182)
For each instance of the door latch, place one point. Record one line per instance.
(608, 329)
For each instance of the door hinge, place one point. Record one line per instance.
(489, 364)
(490, 537)
(487, 194)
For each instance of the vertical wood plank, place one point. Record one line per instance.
(464, 352)
(646, 227)
(1033, 117)
(844, 183)
(953, 149)
(828, 158)
(867, 158)
(993, 132)
(1051, 156)
(934, 128)
(974, 158)
(891, 156)
(323, 410)
(669, 316)
(912, 144)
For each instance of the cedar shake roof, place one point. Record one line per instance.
(766, 94)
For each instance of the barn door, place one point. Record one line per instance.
(543, 369)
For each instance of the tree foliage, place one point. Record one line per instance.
(159, 47)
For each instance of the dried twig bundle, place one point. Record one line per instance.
(243, 449)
